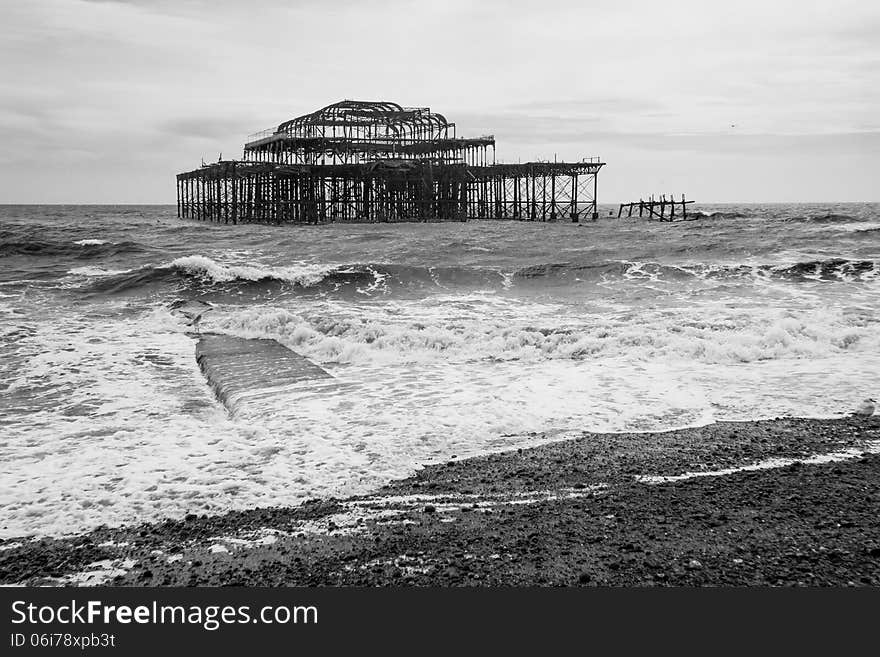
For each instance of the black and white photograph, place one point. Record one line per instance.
(439, 294)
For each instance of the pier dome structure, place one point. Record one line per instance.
(378, 161)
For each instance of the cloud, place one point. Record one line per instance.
(599, 105)
(214, 129)
(152, 86)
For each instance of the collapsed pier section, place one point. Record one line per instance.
(360, 161)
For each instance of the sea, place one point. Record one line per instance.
(443, 340)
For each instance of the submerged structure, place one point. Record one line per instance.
(651, 206)
(361, 161)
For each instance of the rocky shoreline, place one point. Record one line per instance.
(778, 502)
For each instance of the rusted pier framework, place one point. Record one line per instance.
(363, 161)
(656, 208)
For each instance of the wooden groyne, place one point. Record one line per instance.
(363, 161)
(657, 208)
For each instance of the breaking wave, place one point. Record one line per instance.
(359, 278)
(368, 279)
(733, 338)
(700, 214)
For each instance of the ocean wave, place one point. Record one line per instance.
(581, 271)
(80, 250)
(303, 275)
(827, 270)
(832, 269)
(735, 337)
(702, 214)
(125, 281)
(365, 279)
(96, 271)
(781, 214)
(207, 274)
(830, 217)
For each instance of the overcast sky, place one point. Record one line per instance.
(103, 101)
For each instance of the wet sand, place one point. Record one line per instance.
(590, 511)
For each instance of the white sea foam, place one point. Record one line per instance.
(871, 447)
(427, 332)
(90, 270)
(90, 242)
(122, 427)
(109, 421)
(303, 274)
(112, 421)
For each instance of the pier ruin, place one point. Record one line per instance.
(363, 161)
(656, 208)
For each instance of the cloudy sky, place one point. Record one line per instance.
(103, 101)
